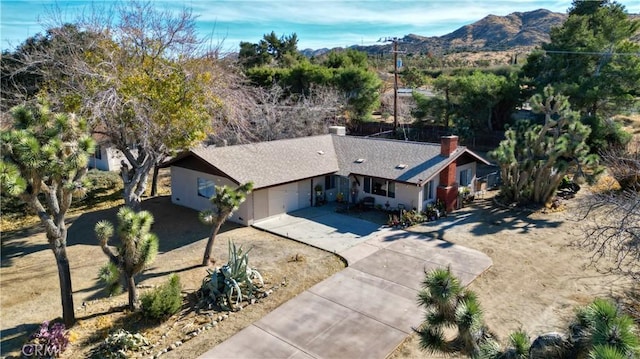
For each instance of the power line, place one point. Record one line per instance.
(592, 53)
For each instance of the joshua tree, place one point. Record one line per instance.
(449, 305)
(138, 246)
(44, 157)
(534, 159)
(225, 201)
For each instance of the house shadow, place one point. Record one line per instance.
(174, 225)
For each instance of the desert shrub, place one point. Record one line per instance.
(605, 134)
(233, 280)
(97, 179)
(49, 340)
(118, 343)
(164, 301)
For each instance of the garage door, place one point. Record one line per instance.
(283, 199)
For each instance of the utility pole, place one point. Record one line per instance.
(395, 52)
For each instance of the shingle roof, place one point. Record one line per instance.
(277, 162)
(274, 162)
(404, 161)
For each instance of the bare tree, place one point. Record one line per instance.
(256, 114)
(612, 226)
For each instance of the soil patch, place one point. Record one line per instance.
(30, 290)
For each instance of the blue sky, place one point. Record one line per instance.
(326, 23)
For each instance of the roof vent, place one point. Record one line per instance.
(359, 160)
(402, 166)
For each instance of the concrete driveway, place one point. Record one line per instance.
(364, 311)
(321, 227)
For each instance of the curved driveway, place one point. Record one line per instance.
(365, 310)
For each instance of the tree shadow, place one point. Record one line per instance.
(483, 217)
(174, 225)
(12, 339)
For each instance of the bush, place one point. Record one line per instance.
(50, 340)
(605, 134)
(118, 343)
(97, 179)
(164, 301)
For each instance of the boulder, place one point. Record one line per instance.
(549, 346)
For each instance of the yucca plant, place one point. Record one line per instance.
(449, 305)
(606, 352)
(138, 248)
(602, 324)
(43, 161)
(225, 201)
(236, 279)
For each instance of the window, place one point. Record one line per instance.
(206, 188)
(380, 187)
(98, 153)
(391, 189)
(367, 184)
(329, 182)
(428, 191)
(465, 177)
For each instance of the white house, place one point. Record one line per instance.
(285, 173)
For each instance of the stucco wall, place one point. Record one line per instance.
(109, 161)
(184, 192)
(425, 202)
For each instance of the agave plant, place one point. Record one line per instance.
(236, 279)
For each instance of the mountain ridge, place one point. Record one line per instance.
(493, 32)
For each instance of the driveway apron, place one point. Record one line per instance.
(365, 310)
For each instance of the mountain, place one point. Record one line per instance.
(519, 29)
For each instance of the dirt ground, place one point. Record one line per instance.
(30, 292)
(538, 277)
(537, 280)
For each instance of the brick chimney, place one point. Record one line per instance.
(448, 145)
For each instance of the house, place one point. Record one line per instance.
(286, 172)
(106, 157)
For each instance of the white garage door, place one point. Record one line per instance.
(283, 199)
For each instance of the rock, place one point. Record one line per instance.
(178, 343)
(549, 346)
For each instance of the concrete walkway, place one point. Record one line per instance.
(365, 310)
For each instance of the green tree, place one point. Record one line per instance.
(413, 77)
(361, 90)
(225, 201)
(138, 247)
(534, 158)
(475, 102)
(270, 49)
(142, 91)
(591, 58)
(44, 159)
(449, 305)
